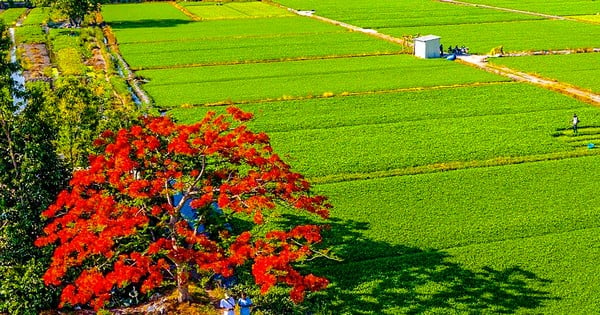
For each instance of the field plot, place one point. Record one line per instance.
(252, 48)
(234, 10)
(10, 16)
(554, 7)
(581, 70)
(138, 15)
(419, 128)
(381, 13)
(514, 36)
(200, 85)
(457, 240)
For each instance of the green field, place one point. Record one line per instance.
(385, 14)
(455, 191)
(554, 7)
(200, 85)
(577, 69)
(139, 15)
(250, 49)
(234, 10)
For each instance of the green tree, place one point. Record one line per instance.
(30, 177)
(75, 10)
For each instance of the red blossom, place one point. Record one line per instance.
(129, 188)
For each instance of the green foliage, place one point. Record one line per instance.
(30, 34)
(577, 69)
(75, 10)
(37, 16)
(22, 290)
(172, 87)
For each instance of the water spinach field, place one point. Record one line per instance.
(455, 190)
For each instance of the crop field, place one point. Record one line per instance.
(234, 10)
(554, 7)
(577, 69)
(248, 49)
(455, 191)
(10, 16)
(172, 87)
(380, 13)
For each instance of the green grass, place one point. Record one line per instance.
(10, 16)
(514, 36)
(576, 69)
(223, 50)
(220, 29)
(234, 10)
(554, 7)
(172, 87)
(153, 14)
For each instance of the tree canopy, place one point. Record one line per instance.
(119, 224)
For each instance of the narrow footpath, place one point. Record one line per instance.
(563, 88)
(548, 16)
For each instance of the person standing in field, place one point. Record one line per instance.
(245, 303)
(575, 122)
(227, 304)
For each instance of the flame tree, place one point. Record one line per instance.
(118, 224)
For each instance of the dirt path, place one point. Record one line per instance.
(548, 16)
(563, 88)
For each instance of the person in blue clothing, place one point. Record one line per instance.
(245, 304)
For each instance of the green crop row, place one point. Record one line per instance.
(514, 36)
(172, 87)
(578, 69)
(166, 54)
(10, 16)
(234, 10)
(150, 14)
(555, 7)
(219, 29)
(37, 16)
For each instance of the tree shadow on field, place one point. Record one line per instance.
(148, 23)
(376, 278)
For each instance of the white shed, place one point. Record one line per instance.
(427, 46)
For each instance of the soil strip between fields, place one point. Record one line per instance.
(550, 84)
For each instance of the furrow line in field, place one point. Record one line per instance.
(456, 165)
(469, 245)
(186, 12)
(344, 94)
(241, 62)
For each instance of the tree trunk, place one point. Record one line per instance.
(183, 286)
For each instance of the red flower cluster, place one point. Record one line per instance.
(119, 224)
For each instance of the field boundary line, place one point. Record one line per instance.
(185, 11)
(485, 6)
(243, 62)
(454, 165)
(344, 94)
(547, 83)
